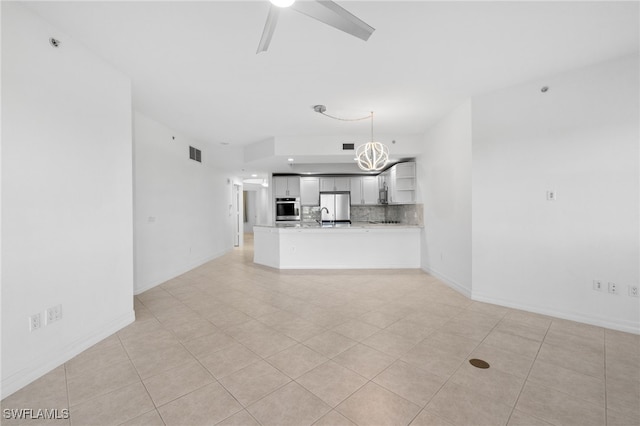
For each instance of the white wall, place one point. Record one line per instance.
(327, 145)
(444, 180)
(182, 207)
(265, 206)
(580, 139)
(67, 233)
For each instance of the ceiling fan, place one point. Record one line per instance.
(325, 11)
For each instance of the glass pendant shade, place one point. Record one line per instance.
(372, 156)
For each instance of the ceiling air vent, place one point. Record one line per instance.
(348, 146)
(195, 154)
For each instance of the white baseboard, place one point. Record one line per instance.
(614, 324)
(345, 267)
(42, 365)
(448, 281)
(141, 288)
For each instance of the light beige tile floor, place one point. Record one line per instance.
(232, 343)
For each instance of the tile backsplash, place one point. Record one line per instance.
(368, 213)
(310, 213)
(409, 214)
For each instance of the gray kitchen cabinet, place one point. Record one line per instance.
(286, 186)
(401, 182)
(309, 191)
(326, 184)
(335, 184)
(342, 184)
(364, 190)
(370, 191)
(356, 191)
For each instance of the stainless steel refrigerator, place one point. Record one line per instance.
(335, 207)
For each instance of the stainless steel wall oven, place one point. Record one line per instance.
(287, 210)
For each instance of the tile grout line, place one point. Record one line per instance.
(155, 408)
(399, 359)
(524, 383)
(198, 361)
(66, 383)
(416, 344)
(586, 401)
(465, 359)
(450, 376)
(104, 393)
(606, 405)
(355, 372)
(245, 408)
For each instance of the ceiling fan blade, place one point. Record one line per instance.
(333, 15)
(269, 28)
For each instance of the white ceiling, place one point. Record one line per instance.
(194, 68)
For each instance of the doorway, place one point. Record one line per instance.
(237, 212)
(250, 211)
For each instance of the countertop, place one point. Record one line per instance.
(354, 225)
(360, 245)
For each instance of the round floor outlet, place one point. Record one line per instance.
(478, 363)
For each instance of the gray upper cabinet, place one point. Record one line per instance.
(286, 186)
(342, 184)
(356, 191)
(402, 183)
(309, 191)
(335, 184)
(364, 190)
(370, 191)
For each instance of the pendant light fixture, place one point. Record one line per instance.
(371, 156)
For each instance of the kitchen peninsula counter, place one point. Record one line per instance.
(361, 245)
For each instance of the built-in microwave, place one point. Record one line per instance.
(287, 209)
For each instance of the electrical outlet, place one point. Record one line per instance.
(551, 195)
(53, 314)
(35, 322)
(633, 291)
(613, 288)
(597, 285)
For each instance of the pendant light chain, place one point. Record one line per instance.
(345, 119)
(371, 156)
(371, 126)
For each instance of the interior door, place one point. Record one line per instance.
(238, 225)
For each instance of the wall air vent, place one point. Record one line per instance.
(348, 146)
(195, 154)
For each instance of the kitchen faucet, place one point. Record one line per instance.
(321, 210)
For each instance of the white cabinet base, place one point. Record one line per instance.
(337, 248)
